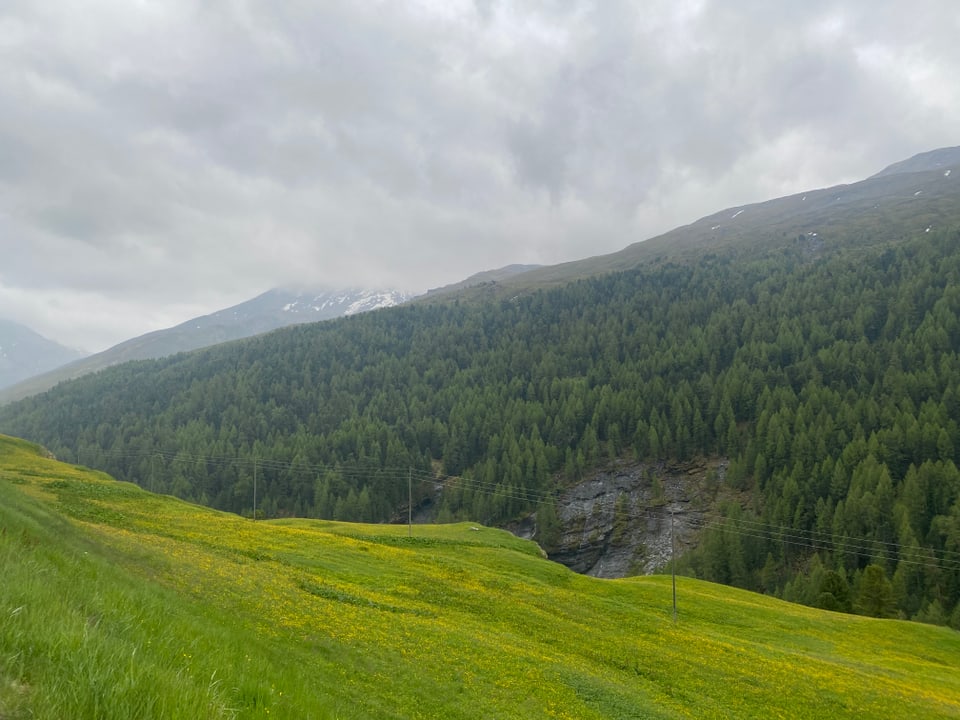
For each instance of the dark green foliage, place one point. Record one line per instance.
(830, 381)
(876, 593)
(834, 592)
(932, 614)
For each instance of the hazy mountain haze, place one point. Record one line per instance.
(24, 353)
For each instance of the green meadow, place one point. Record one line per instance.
(117, 603)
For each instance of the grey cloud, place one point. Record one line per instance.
(174, 154)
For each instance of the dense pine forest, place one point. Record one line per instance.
(826, 373)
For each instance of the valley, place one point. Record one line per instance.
(787, 397)
(443, 361)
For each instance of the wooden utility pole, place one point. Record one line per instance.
(410, 502)
(673, 564)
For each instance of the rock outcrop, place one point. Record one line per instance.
(617, 522)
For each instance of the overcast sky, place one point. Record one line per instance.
(163, 159)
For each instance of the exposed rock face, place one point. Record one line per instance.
(617, 522)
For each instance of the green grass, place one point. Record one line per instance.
(115, 603)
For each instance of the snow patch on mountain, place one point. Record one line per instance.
(344, 302)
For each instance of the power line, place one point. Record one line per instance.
(741, 526)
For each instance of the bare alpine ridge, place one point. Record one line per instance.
(920, 194)
(941, 159)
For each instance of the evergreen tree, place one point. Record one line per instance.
(875, 597)
(834, 592)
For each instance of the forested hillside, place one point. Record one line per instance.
(827, 373)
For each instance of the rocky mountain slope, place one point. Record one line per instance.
(632, 518)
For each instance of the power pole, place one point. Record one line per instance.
(410, 502)
(254, 488)
(155, 480)
(673, 565)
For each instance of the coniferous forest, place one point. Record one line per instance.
(826, 374)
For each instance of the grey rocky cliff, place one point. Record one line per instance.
(617, 521)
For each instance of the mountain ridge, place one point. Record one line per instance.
(924, 181)
(273, 309)
(940, 159)
(908, 196)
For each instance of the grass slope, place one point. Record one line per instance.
(115, 603)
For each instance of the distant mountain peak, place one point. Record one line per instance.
(25, 353)
(939, 159)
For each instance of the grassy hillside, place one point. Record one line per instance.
(116, 603)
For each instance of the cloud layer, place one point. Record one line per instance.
(160, 160)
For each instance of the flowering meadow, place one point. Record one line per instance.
(117, 603)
